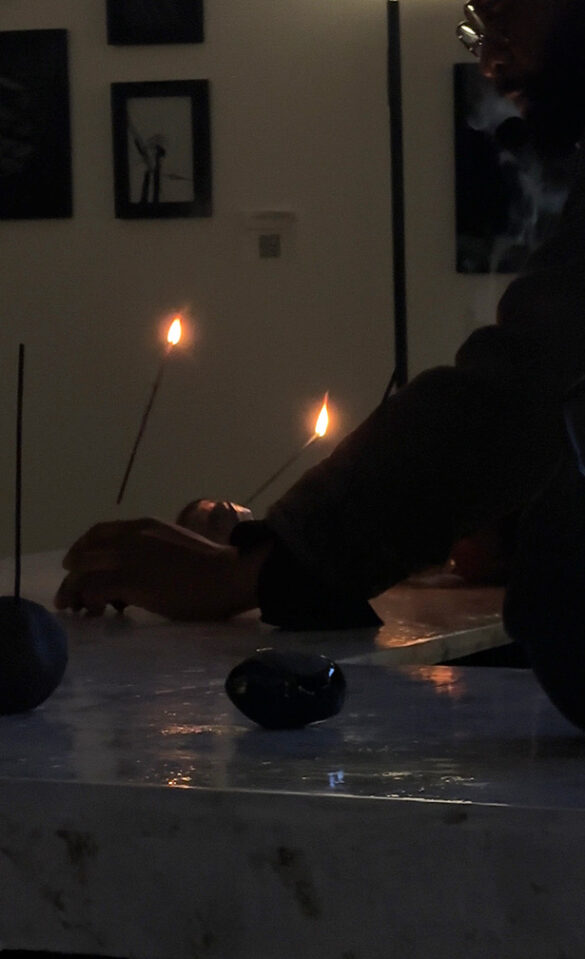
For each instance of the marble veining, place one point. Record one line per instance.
(440, 813)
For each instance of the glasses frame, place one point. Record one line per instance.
(472, 32)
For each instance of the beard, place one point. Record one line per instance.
(554, 96)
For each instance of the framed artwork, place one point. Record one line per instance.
(507, 196)
(162, 149)
(35, 137)
(154, 21)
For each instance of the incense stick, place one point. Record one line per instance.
(284, 467)
(173, 336)
(142, 427)
(18, 476)
(394, 77)
(320, 430)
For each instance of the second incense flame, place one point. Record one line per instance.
(175, 331)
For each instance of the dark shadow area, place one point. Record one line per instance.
(25, 954)
(512, 656)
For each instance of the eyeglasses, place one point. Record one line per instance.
(472, 32)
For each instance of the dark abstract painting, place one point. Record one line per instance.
(35, 142)
(508, 197)
(154, 21)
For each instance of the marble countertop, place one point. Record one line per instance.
(143, 702)
(151, 710)
(440, 813)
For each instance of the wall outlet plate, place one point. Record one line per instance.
(268, 234)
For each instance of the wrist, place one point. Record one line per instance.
(246, 576)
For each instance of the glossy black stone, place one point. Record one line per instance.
(286, 689)
(33, 654)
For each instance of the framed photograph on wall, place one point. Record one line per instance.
(508, 196)
(162, 149)
(154, 21)
(35, 138)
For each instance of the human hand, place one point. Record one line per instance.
(162, 568)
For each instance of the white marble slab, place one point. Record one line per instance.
(441, 814)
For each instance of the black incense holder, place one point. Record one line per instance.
(286, 689)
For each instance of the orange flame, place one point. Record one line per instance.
(174, 334)
(323, 419)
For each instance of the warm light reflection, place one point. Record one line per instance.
(323, 419)
(174, 334)
(446, 680)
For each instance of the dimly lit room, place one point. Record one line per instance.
(292, 534)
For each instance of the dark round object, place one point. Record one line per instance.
(286, 689)
(544, 605)
(33, 654)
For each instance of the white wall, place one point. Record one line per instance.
(299, 122)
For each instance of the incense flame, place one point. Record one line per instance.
(323, 419)
(174, 334)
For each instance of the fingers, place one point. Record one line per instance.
(93, 591)
(158, 566)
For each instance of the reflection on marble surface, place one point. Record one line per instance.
(143, 702)
(149, 707)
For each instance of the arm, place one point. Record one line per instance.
(456, 449)
(162, 568)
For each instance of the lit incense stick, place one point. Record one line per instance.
(320, 430)
(173, 337)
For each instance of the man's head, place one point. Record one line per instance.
(213, 519)
(533, 51)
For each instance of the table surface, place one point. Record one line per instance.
(143, 702)
(429, 619)
(440, 813)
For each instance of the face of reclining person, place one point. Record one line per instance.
(213, 519)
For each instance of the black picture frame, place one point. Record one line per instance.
(154, 21)
(162, 149)
(35, 127)
(508, 197)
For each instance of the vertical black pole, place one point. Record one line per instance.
(397, 183)
(18, 477)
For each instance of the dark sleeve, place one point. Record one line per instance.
(458, 448)
(291, 597)
(453, 451)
